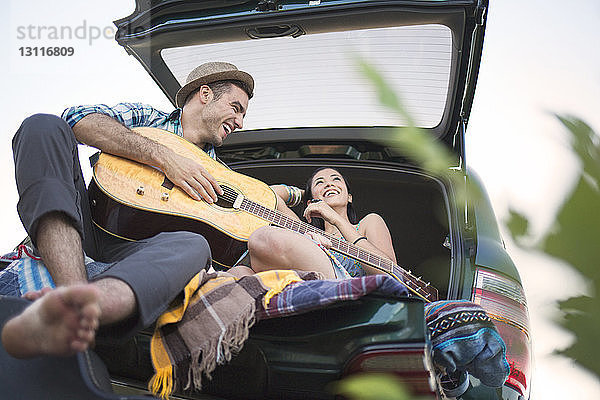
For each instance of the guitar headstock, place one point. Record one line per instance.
(416, 285)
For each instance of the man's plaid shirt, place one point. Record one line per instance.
(133, 115)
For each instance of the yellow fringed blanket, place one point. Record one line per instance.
(210, 324)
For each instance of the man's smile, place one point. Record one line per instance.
(227, 128)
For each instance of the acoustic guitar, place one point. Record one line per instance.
(135, 201)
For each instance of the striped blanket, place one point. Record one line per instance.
(25, 273)
(210, 324)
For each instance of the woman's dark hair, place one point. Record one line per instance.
(318, 222)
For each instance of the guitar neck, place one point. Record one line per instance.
(417, 286)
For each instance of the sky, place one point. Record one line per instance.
(539, 58)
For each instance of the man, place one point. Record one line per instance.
(144, 276)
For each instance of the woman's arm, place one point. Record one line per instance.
(284, 198)
(291, 195)
(378, 240)
(374, 228)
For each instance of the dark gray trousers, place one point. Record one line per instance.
(49, 179)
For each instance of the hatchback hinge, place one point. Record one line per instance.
(267, 5)
(462, 128)
(459, 142)
(480, 13)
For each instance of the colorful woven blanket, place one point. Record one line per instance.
(464, 338)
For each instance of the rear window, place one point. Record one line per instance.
(313, 81)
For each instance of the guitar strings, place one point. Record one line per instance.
(230, 195)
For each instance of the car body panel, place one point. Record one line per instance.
(491, 251)
(296, 356)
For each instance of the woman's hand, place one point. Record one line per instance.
(320, 209)
(319, 239)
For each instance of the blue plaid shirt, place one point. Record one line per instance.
(133, 115)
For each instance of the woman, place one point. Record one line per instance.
(328, 199)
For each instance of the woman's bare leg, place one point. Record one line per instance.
(275, 248)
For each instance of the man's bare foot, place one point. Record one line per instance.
(61, 322)
(34, 295)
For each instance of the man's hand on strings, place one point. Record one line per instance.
(192, 178)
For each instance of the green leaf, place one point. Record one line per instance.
(586, 144)
(387, 97)
(577, 237)
(576, 241)
(517, 224)
(578, 220)
(371, 387)
(580, 316)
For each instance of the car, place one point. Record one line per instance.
(313, 107)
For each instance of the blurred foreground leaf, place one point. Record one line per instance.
(586, 144)
(415, 143)
(371, 387)
(387, 97)
(517, 224)
(576, 237)
(580, 316)
(575, 240)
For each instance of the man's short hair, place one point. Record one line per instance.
(220, 87)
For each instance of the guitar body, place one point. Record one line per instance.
(135, 201)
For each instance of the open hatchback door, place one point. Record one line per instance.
(313, 107)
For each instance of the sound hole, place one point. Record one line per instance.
(167, 184)
(228, 197)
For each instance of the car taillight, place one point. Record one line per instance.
(504, 300)
(411, 365)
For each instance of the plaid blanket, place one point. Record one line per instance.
(211, 323)
(301, 298)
